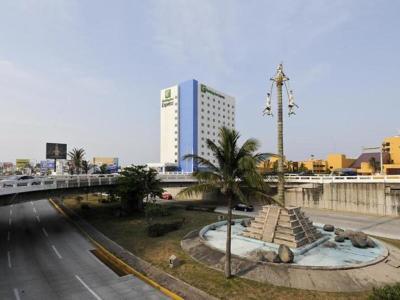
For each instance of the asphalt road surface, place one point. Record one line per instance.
(42, 256)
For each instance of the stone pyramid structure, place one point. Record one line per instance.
(287, 226)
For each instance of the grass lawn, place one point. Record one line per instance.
(130, 232)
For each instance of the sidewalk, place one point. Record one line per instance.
(388, 227)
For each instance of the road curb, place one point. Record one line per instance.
(115, 260)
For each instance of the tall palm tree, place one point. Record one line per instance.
(76, 155)
(235, 175)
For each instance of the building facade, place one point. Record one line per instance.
(191, 113)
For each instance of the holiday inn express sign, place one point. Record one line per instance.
(168, 96)
(205, 89)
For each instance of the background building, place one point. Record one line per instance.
(191, 113)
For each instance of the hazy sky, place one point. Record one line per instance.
(88, 73)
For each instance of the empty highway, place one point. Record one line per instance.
(42, 256)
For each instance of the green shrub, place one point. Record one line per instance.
(85, 206)
(152, 210)
(387, 292)
(159, 229)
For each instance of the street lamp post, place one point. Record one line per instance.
(280, 80)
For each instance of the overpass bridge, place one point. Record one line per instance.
(293, 179)
(51, 183)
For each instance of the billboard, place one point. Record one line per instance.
(56, 151)
(22, 163)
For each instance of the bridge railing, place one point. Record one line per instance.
(55, 182)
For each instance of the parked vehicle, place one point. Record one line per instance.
(166, 196)
(243, 207)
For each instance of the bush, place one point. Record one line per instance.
(200, 208)
(159, 229)
(85, 206)
(387, 292)
(152, 210)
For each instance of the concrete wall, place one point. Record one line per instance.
(369, 198)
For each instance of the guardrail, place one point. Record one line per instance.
(54, 182)
(187, 177)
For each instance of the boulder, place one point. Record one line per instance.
(272, 256)
(257, 255)
(339, 231)
(339, 238)
(330, 245)
(359, 241)
(328, 227)
(246, 223)
(348, 234)
(285, 254)
(371, 243)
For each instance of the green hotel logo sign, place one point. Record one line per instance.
(204, 89)
(167, 94)
(168, 100)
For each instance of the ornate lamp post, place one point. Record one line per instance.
(280, 80)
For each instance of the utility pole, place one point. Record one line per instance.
(280, 80)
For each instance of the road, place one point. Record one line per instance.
(42, 256)
(375, 225)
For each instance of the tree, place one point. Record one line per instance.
(85, 166)
(103, 169)
(134, 184)
(374, 165)
(76, 155)
(235, 176)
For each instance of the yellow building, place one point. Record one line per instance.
(339, 161)
(391, 145)
(317, 166)
(268, 165)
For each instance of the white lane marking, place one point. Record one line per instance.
(45, 232)
(38, 219)
(9, 259)
(32, 203)
(8, 236)
(56, 251)
(16, 294)
(88, 288)
(34, 210)
(10, 212)
(9, 221)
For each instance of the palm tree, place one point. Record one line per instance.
(373, 164)
(235, 176)
(76, 155)
(85, 166)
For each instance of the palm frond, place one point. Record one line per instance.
(197, 189)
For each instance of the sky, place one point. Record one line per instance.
(89, 73)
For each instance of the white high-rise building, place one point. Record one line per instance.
(191, 113)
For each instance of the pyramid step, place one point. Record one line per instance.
(255, 230)
(293, 230)
(289, 224)
(290, 237)
(287, 218)
(257, 225)
(259, 219)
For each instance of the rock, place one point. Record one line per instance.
(330, 245)
(359, 241)
(339, 231)
(361, 234)
(328, 227)
(246, 223)
(272, 256)
(285, 254)
(339, 238)
(257, 256)
(371, 243)
(348, 234)
(213, 227)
